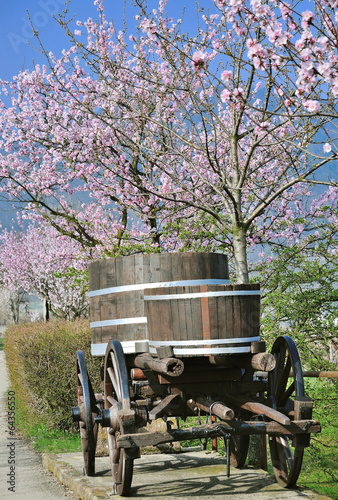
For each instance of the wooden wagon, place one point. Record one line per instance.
(180, 341)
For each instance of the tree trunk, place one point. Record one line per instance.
(242, 276)
(240, 255)
(46, 309)
(15, 309)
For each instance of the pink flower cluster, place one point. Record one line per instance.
(166, 140)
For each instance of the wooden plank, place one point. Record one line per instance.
(108, 273)
(197, 318)
(254, 314)
(180, 331)
(155, 267)
(257, 408)
(229, 314)
(216, 318)
(237, 313)
(173, 313)
(186, 305)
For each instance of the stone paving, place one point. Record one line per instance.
(174, 476)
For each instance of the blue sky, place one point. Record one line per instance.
(15, 29)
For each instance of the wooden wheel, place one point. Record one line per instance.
(239, 446)
(284, 383)
(85, 413)
(116, 395)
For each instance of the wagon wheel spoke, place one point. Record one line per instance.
(286, 460)
(116, 371)
(114, 381)
(88, 410)
(116, 390)
(287, 395)
(111, 400)
(283, 379)
(279, 370)
(239, 446)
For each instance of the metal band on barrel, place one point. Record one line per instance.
(129, 347)
(182, 347)
(165, 284)
(121, 321)
(207, 350)
(177, 343)
(199, 295)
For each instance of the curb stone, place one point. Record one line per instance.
(74, 480)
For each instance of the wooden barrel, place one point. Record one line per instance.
(207, 319)
(116, 291)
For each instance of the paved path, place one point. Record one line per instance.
(28, 479)
(176, 477)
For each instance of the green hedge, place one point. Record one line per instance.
(41, 360)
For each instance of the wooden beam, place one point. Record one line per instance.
(257, 408)
(301, 427)
(168, 366)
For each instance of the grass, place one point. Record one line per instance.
(320, 466)
(1, 343)
(46, 440)
(319, 471)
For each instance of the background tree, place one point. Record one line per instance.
(14, 306)
(170, 140)
(40, 260)
(301, 297)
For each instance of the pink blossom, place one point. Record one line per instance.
(199, 59)
(225, 95)
(311, 105)
(327, 147)
(226, 76)
(238, 92)
(308, 16)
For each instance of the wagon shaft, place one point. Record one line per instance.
(220, 429)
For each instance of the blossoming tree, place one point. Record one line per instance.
(160, 139)
(40, 260)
